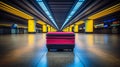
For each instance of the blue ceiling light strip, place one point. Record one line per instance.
(44, 8)
(76, 7)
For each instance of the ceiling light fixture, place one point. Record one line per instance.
(76, 7)
(44, 8)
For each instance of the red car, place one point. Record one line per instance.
(60, 40)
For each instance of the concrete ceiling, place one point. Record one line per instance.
(60, 9)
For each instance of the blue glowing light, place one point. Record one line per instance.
(109, 20)
(43, 61)
(76, 7)
(42, 5)
(105, 25)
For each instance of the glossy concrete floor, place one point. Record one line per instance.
(29, 50)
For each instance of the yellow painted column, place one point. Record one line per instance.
(89, 26)
(31, 26)
(68, 29)
(76, 28)
(71, 27)
(49, 28)
(52, 29)
(63, 30)
(44, 28)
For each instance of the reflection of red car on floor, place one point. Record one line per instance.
(60, 40)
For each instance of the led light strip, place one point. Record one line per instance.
(42, 5)
(76, 7)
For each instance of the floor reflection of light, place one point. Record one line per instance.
(90, 40)
(106, 56)
(77, 61)
(28, 46)
(106, 39)
(79, 43)
(31, 39)
(39, 57)
(43, 61)
(20, 51)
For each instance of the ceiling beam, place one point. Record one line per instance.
(105, 12)
(12, 10)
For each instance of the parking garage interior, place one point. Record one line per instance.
(24, 25)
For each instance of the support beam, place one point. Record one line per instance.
(80, 22)
(41, 22)
(89, 26)
(67, 29)
(105, 12)
(49, 28)
(53, 29)
(31, 26)
(71, 27)
(14, 11)
(76, 28)
(44, 28)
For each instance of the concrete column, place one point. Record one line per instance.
(49, 28)
(31, 26)
(53, 29)
(89, 26)
(71, 27)
(68, 29)
(44, 28)
(76, 28)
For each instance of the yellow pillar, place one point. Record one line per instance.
(68, 29)
(52, 29)
(76, 28)
(44, 28)
(31, 26)
(49, 28)
(89, 26)
(71, 27)
(65, 29)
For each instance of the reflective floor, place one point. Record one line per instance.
(29, 50)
